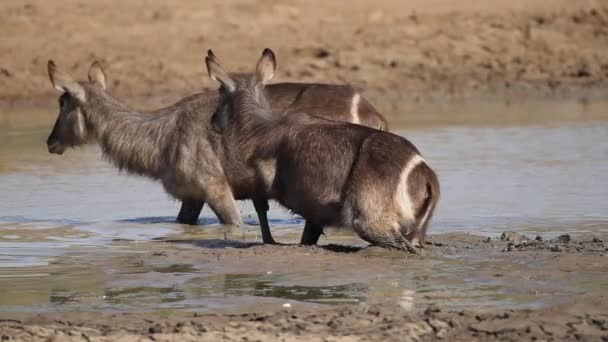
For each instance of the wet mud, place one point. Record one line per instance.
(573, 307)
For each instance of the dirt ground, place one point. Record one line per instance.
(583, 316)
(419, 50)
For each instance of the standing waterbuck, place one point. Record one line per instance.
(331, 173)
(176, 144)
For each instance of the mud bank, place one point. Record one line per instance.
(574, 305)
(417, 50)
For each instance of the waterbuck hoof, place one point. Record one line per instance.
(186, 220)
(408, 246)
(231, 223)
(308, 243)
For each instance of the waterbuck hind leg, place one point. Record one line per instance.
(261, 208)
(190, 211)
(406, 245)
(312, 233)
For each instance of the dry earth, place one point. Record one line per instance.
(393, 49)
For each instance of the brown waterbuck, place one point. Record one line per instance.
(331, 173)
(176, 144)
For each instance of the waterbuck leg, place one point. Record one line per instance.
(190, 211)
(312, 233)
(224, 206)
(406, 245)
(261, 207)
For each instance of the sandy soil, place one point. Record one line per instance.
(417, 49)
(583, 316)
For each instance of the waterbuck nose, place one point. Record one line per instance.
(53, 145)
(51, 140)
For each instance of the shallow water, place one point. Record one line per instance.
(72, 227)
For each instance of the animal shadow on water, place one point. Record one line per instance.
(168, 219)
(23, 219)
(227, 243)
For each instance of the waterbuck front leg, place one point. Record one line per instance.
(312, 233)
(190, 211)
(222, 203)
(261, 208)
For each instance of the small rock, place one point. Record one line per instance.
(490, 327)
(512, 236)
(564, 238)
(5, 72)
(441, 333)
(597, 240)
(489, 239)
(556, 249)
(286, 305)
(503, 315)
(319, 64)
(440, 327)
(432, 309)
(321, 53)
(438, 324)
(582, 73)
(538, 238)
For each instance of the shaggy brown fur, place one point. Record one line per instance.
(331, 173)
(175, 144)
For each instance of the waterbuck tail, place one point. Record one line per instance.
(424, 215)
(422, 194)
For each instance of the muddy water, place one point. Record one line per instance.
(75, 234)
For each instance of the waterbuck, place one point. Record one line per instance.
(331, 173)
(176, 144)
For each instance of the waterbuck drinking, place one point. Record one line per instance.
(331, 173)
(176, 144)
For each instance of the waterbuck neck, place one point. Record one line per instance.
(250, 101)
(133, 141)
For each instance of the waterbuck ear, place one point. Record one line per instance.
(217, 73)
(97, 75)
(266, 66)
(65, 83)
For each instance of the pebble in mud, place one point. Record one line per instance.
(556, 248)
(513, 236)
(563, 243)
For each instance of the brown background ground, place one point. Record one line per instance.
(416, 49)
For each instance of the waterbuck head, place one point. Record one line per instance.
(70, 129)
(241, 93)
